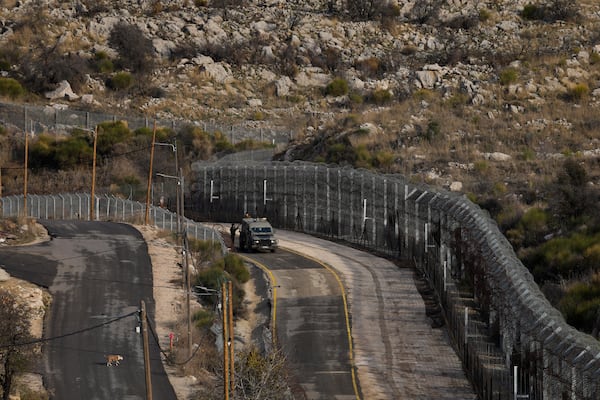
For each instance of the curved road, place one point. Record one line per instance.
(95, 272)
(310, 326)
(397, 353)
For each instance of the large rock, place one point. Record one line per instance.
(63, 91)
(4, 276)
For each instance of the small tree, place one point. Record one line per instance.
(261, 376)
(14, 330)
(136, 51)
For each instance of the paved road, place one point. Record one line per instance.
(95, 271)
(311, 326)
(397, 353)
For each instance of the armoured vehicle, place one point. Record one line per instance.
(257, 234)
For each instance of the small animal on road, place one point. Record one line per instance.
(113, 359)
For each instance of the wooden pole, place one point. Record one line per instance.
(143, 316)
(147, 217)
(187, 293)
(231, 337)
(92, 195)
(177, 191)
(224, 306)
(25, 175)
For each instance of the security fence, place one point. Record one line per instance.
(106, 208)
(512, 342)
(40, 119)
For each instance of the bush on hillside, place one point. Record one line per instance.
(11, 88)
(109, 134)
(580, 305)
(120, 81)
(337, 87)
(136, 51)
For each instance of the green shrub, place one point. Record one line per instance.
(433, 130)
(532, 12)
(102, 63)
(204, 250)
(484, 15)
(481, 166)
(120, 81)
(577, 92)
(203, 319)
(363, 157)
(384, 159)
(337, 87)
(580, 304)
(355, 98)
(71, 152)
(11, 88)
(111, 133)
(381, 96)
(528, 154)
(235, 266)
(508, 76)
(563, 257)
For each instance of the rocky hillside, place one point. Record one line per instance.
(492, 80)
(497, 99)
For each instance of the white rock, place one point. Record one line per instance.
(217, 72)
(283, 85)
(427, 79)
(456, 186)
(87, 99)
(63, 91)
(4, 276)
(312, 78)
(254, 102)
(267, 53)
(496, 156)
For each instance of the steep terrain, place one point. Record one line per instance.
(495, 99)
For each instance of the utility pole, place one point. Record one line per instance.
(226, 359)
(147, 216)
(92, 195)
(25, 175)
(228, 336)
(182, 214)
(187, 293)
(144, 317)
(231, 337)
(177, 191)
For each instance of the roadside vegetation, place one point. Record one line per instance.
(259, 372)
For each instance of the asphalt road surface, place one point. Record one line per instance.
(96, 272)
(398, 353)
(311, 326)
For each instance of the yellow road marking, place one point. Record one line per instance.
(346, 314)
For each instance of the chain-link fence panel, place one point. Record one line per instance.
(512, 342)
(40, 119)
(71, 206)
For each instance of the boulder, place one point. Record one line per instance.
(4, 276)
(282, 86)
(63, 91)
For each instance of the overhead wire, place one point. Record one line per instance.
(77, 332)
(168, 356)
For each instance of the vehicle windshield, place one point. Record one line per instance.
(261, 229)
